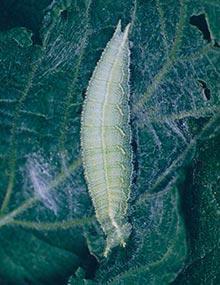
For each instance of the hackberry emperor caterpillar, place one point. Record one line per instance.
(106, 139)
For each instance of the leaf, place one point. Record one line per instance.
(42, 88)
(80, 278)
(170, 114)
(38, 83)
(202, 213)
(212, 9)
(157, 245)
(27, 259)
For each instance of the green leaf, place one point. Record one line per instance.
(212, 8)
(38, 107)
(79, 278)
(202, 212)
(47, 219)
(170, 114)
(157, 244)
(27, 259)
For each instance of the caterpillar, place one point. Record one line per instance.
(106, 139)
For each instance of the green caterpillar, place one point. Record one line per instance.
(106, 139)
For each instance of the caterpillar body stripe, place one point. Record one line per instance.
(106, 139)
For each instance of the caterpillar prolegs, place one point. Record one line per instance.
(106, 139)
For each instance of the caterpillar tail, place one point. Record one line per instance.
(117, 237)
